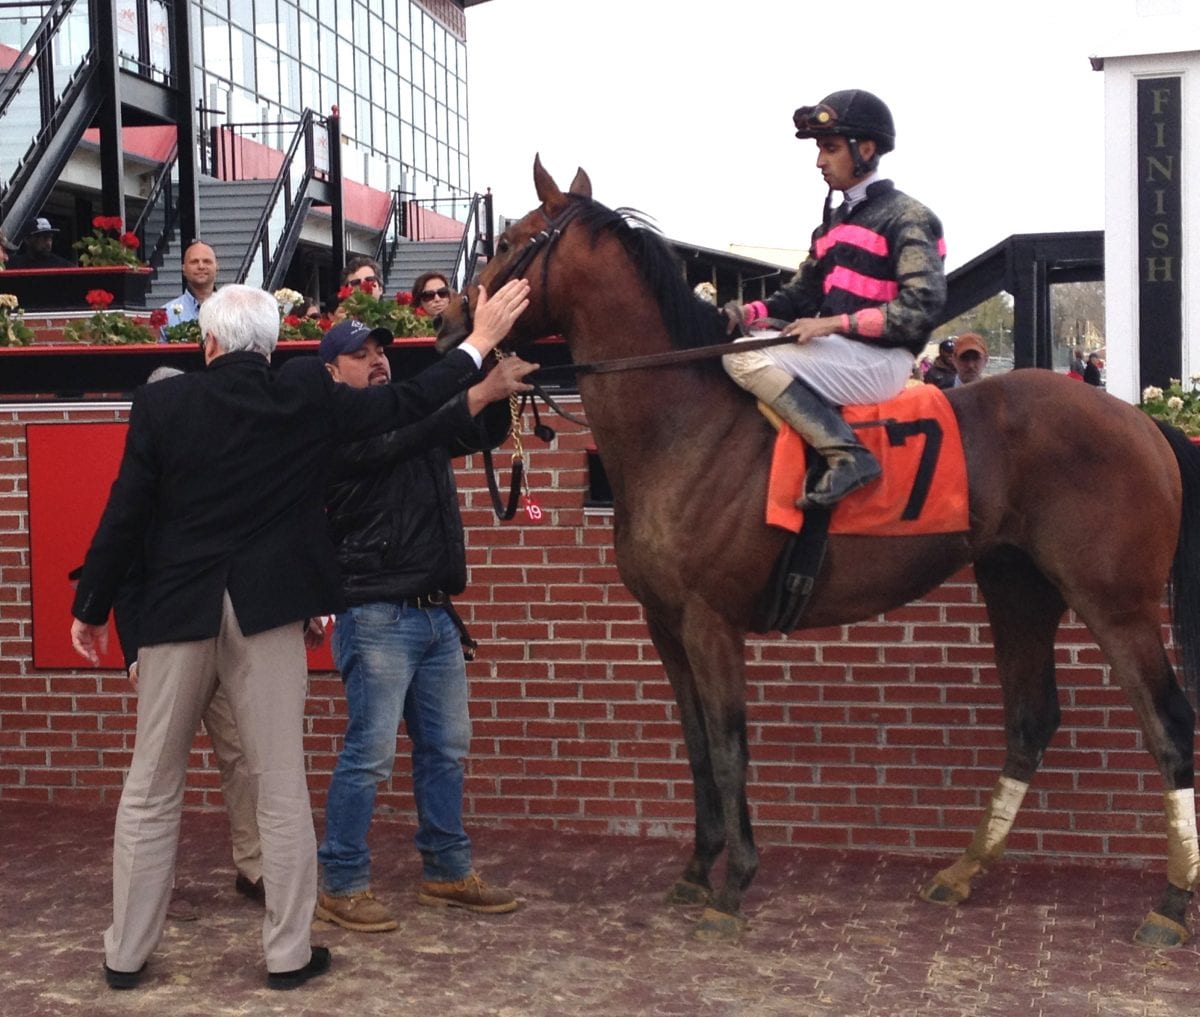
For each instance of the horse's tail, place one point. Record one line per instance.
(1185, 570)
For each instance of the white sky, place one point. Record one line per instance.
(682, 108)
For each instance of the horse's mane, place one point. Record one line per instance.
(690, 321)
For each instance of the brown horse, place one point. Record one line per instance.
(1049, 461)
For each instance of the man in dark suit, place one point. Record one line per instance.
(221, 486)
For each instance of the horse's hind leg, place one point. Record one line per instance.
(1140, 665)
(1024, 610)
(693, 886)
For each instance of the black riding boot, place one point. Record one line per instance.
(851, 466)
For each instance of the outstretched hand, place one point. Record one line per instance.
(495, 315)
(503, 380)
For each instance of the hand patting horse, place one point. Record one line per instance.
(1048, 462)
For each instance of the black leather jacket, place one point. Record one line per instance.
(392, 505)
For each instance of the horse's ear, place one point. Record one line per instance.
(581, 185)
(547, 190)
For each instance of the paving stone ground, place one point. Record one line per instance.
(830, 933)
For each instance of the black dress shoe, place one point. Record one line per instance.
(317, 964)
(123, 979)
(255, 891)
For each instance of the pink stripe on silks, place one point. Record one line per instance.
(869, 322)
(860, 285)
(754, 310)
(853, 236)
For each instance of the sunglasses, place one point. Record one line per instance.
(313, 315)
(430, 294)
(370, 280)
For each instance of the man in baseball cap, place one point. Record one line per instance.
(348, 338)
(37, 250)
(970, 357)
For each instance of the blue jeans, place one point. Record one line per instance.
(398, 661)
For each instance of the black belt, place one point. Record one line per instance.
(426, 600)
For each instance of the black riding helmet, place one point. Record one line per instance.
(854, 114)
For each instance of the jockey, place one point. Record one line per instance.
(862, 305)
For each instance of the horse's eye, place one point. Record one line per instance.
(502, 246)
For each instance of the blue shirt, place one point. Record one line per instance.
(184, 307)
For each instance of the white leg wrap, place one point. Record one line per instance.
(993, 829)
(1183, 855)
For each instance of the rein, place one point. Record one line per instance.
(669, 357)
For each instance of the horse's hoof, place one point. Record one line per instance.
(685, 892)
(1161, 933)
(942, 894)
(718, 927)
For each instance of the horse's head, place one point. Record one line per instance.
(518, 248)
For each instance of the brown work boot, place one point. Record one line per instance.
(358, 912)
(470, 892)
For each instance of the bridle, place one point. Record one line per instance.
(543, 242)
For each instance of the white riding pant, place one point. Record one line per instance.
(843, 371)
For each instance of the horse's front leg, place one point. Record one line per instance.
(693, 886)
(716, 652)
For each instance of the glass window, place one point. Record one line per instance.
(242, 53)
(289, 84)
(345, 71)
(393, 137)
(310, 90)
(218, 7)
(216, 46)
(328, 59)
(329, 97)
(391, 92)
(268, 70)
(288, 29)
(241, 12)
(310, 52)
(266, 24)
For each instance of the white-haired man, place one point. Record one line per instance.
(222, 485)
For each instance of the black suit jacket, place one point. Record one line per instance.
(222, 484)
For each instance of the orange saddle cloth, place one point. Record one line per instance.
(924, 484)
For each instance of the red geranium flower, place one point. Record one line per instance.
(131, 241)
(344, 292)
(404, 298)
(292, 320)
(158, 317)
(108, 222)
(420, 313)
(99, 299)
(325, 322)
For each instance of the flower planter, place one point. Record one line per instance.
(63, 289)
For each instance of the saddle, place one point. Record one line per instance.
(923, 490)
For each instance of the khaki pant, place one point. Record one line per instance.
(265, 679)
(237, 787)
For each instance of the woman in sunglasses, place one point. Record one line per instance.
(864, 302)
(431, 293)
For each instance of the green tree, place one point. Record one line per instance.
(992, 319)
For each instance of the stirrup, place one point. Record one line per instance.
(843, 479)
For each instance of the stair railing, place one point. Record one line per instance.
(278, 228)
(34, 48)
(159, 201)
(475, 245)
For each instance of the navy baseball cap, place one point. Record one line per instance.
(349, 336)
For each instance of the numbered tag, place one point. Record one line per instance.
(533, 510)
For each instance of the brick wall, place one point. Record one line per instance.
(886, 734)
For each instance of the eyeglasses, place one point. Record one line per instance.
(371, 281)
(430, 294)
